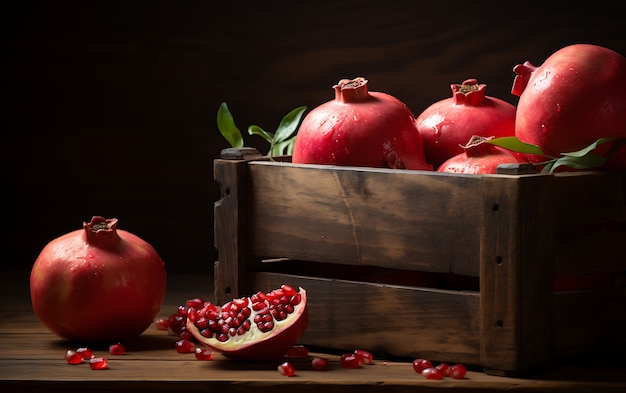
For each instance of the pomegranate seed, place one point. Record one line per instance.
(458, 371)
(297, 351)
(196, 303)
(117, 349)
(288, 290)
(98, 363)
(185, 335)
(73, 357)
(432, 373)
(364, 356)
(185, 346)
(176, 323)
(182, 310)
(204, 354)
(350, 360)
(444, 368)
(286, 369)
(420, 365)
(85, 352)
(162, 323)
(320, 364)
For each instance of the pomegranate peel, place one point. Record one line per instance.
(253, 341)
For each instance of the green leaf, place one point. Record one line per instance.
(256, 130)
(284, 148)
(589, 160)
(227, 127)
(588, 149)
(289, 124)
(514, 144)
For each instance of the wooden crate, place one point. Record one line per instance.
(455, 268)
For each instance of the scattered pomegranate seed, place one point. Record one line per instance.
(297, 351)
(85, 352)
(319, 364)
(204, 354)
(98, 363)
(286, 369)
(444, 368)
(162, 323)
(458, 371)
(432, 373)
(185, 346)
(364, 356)
(420, 365)
(350, 360)
(117, 349)
(73, 357)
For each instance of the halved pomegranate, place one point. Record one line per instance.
(263, 326)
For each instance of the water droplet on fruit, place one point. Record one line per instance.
(558, 107)
(544, 128)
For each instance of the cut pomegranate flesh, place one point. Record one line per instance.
(263, 326)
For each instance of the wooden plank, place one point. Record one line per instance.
(516, 274)
(364, 216)
(590, 324)
(229, 235)
(31, 359)
(591, 222)
(386, 319)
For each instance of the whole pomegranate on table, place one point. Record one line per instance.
(98, 284)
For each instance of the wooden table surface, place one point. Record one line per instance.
(31, 358)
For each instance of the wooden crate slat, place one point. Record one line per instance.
(362, 216)
(516, 274)
(386, 319)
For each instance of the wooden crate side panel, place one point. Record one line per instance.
(396, 219)
(516, 274)
(590, 323)
(391, 320)
(229, 235)
(590, 231)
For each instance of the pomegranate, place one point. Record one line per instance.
(480, 157)
(448, 124)
(98, 284)
(360, 128)
(263, 326)
(573, 99)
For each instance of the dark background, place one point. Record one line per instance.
(108, 108)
